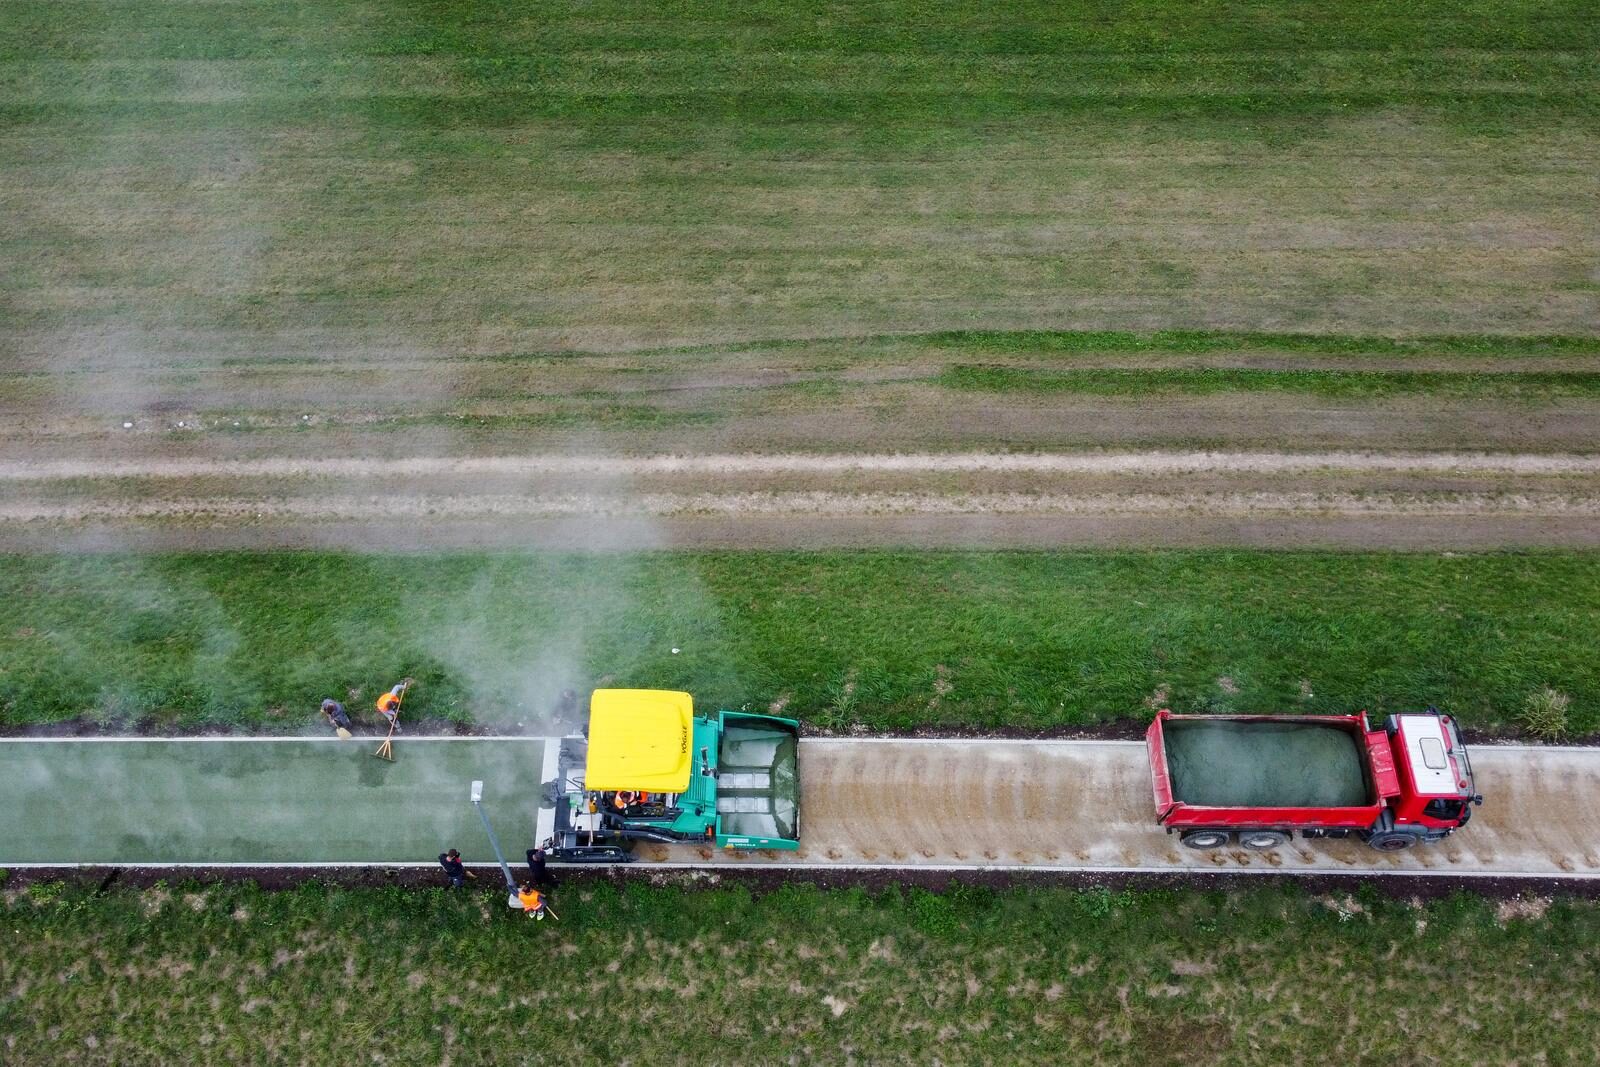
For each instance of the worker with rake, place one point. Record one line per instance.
(389, 705)
(534, 903)
(389, 708)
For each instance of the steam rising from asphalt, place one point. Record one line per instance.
(191, 211)
(516, 662)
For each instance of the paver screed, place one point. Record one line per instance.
(264, 801)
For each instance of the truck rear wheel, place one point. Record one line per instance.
(1262, 840)
(1205, 840)
(1392, 840)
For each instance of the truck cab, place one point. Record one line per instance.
(1436, 789)
(650, 769)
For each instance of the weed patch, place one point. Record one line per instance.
(1545, 713)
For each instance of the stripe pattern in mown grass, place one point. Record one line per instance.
(1524, 385)
(339, 175)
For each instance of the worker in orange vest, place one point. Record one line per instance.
(389, 704)
(532, 901)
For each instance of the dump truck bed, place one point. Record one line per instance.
(1212, 770)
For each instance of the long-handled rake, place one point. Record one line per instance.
(386, 750)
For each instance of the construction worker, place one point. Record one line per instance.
(334, 712)
(532, 901)
(389, 704)
(536, 867)
(454, 869)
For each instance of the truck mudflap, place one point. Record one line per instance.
(758, 783)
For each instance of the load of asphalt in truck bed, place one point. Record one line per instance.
(1230, 764)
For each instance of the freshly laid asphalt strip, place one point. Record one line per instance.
(263, 801)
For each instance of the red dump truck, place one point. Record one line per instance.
(1259, 779)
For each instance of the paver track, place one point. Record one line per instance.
(1086, 805)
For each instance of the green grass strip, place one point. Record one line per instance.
(191, 973)
(1537, 385)
(1208, 341)
(1158, 342)
(889, 639)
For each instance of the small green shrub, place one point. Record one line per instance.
(934, 914)
(42, 893)
(1544, 713)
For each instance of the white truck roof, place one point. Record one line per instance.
(1428, 753)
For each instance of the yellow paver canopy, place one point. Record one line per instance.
(640, 739)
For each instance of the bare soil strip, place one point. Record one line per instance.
(594, 501)
(1154, 462)
(1086, 804)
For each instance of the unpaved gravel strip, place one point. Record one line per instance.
(1072, 804)
(1156, 462)
(801, 503)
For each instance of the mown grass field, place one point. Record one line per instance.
(328, 177)
(1118, 382)
(944, 390)
(889, 640)
(234, 974)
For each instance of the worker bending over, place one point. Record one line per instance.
(334, 712)
(533, 903)
(389, 704)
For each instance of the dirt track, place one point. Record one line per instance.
(593, 500)
(1086, 805)
(782, 445)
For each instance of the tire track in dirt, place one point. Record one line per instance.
(1143, 462)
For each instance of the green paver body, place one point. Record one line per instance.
(262, 801)
(1230, 764)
